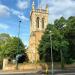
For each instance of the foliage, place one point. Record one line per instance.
(3, 40)
(59, 42)
(10, 46)
(59, 23)
(70, 36)
(14, 47)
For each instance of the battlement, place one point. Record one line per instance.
(40, 10)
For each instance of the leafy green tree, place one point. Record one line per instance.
(70, 36)
(61, 25)
(13, 47)
(58, 42)
(60, 22)
(3, 40)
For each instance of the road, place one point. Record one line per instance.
(37, 74)
(61, 72)
(56, 72)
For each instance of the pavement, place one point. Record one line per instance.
(18, 72)
(56, 72)
(59, 72)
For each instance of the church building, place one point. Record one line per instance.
(38, 23)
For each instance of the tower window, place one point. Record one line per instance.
(42, 22)
(37, 22)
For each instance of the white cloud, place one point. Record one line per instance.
(22, 4)
(12, 35)
(19, 14)
(15, 12)
(58, 8)
(4, 10)
(23, 17)
(4, 26)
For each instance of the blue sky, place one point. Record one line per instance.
(13, 10)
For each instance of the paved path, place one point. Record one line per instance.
(56, 72)
(60, 72)
(18, 73)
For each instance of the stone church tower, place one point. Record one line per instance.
(39, 21)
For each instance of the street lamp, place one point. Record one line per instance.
(18, 44)
(50, 32)
(19, 28)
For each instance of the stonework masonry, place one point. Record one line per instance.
(39, 21)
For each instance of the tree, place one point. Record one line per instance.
(70, 36)
(3, 40)
(58, 43)
(13, 47)
(59, 22)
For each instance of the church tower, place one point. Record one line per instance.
(38, 23)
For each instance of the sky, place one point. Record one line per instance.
(11, 11)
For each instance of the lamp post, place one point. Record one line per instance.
(18, 45)
(50, 32)
(19, 29)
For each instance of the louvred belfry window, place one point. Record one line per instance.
(37, 22)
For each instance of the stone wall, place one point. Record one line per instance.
(22, 67)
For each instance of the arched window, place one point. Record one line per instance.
(42, 22)
(37, 22)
